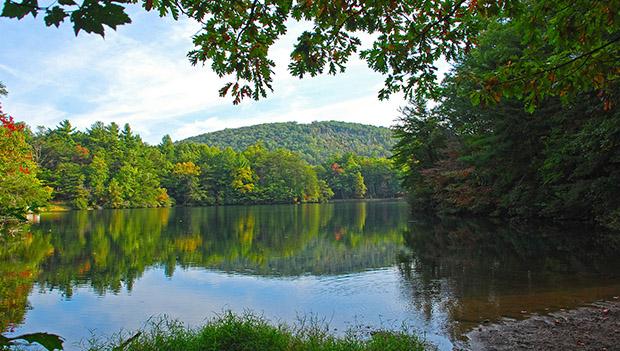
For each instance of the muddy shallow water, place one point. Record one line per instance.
(593, 327)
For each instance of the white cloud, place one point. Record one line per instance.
(141, 76)
(46, 114)
(9, 70)
(117, 79)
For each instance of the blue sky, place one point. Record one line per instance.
(140, 75)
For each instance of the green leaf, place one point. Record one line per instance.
(475, 98)
(19, 10)
(67, 2)
(49, 341)
(530, 107)
(114, 15)
(91, 17)
(55, 16)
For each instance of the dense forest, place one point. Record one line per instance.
(316, 141)
(111, 167)
(525, 125)
(559, 159)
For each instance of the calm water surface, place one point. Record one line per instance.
(352, 264)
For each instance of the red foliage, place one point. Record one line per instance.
(81, 150)
(473, 4)
(9, 123)
(336, 168)
(339, 234)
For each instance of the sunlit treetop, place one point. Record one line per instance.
(571, 45)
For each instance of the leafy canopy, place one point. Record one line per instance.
(20, 189)
(561, 161)
(105, 166)
(570, 44)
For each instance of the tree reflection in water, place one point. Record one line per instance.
(21, 254)
(471, 271)
(451, 274)
(110, 249)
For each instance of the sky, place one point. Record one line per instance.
(140, 75)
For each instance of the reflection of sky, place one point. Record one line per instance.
(193, 295)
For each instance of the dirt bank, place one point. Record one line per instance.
(594, 327)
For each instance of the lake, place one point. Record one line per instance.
(365, 264)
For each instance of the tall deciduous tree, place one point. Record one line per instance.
(20, 190)
(560, 162)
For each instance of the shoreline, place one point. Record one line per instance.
(62, 207)
(592, 327)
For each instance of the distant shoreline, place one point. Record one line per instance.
(62, 207)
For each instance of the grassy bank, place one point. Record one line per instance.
(230, 332)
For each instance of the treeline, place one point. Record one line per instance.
(111, 167)
(560, 160)
(317, 142)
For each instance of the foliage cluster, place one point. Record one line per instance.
(245, 332)
(102, 167)
(107, 166)
(569, 45)
(316, 141)
(351, 176)
(20, 189)
(560, 161)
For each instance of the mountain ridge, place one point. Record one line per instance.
(316, 141)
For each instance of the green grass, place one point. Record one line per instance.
(248, 332)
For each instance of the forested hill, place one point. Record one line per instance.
(316, 141)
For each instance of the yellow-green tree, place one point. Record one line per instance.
(185, 188)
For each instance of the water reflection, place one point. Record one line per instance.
(107, 248)
(477, 270)
(21, 254)
(365, 262)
